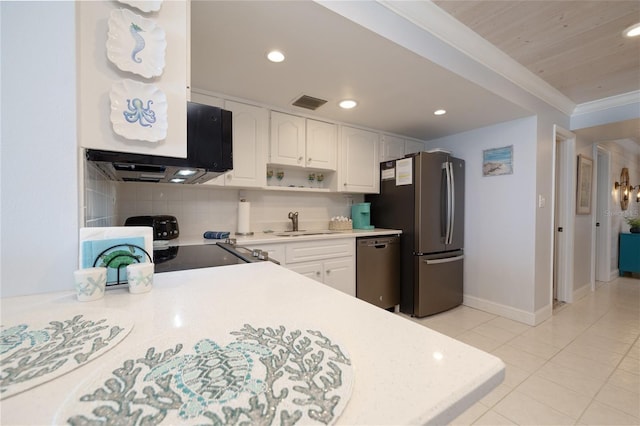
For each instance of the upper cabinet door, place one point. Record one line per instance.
(250, 135)
(391, 148)
(411, 146)
(359, 166)
(287, 139)
(322, 145)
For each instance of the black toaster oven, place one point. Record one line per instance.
(165, 227)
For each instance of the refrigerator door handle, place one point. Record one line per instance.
(447, 235)
(445, 260)
(452, 203)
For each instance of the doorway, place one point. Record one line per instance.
(564, 199)
(602, 228)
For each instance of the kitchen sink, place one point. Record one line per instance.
(303, 232)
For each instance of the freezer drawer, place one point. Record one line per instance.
(438, 283)
(378, 270)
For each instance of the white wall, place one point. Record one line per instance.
(499, 219)
(39, 159)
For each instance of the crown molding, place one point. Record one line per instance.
(607, 103)
(436, 21)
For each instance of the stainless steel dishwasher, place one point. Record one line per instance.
(378, 270)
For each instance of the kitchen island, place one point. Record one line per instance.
(394, 371)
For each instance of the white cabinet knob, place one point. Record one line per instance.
(299, 159)
(309, 160)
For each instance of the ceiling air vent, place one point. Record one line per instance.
(309, 102)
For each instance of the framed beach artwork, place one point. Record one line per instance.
(585, 176)
(497, 161)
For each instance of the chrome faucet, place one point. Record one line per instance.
(294, 219)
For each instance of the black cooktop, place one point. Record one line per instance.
(178, 258)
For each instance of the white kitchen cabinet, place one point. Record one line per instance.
(321, 145)
(359, 169)
(299, 142)
(394, 147)
(412, 145)
(391, 148)
(250, 138)
(331, 262)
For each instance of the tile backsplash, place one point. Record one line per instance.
(100, 197)
(201, 208)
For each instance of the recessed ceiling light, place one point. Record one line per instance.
(439, 112)
(348, 104)
(177, 180)
(275, 56)
(632, 31)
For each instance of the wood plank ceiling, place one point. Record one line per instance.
(575, 46)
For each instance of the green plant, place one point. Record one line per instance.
(633, 222)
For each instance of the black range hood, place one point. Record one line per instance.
(209, 153)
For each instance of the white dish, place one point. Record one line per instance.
(145, 6)
(136, 44)
(138, 111)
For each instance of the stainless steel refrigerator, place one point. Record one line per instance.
(423, 195)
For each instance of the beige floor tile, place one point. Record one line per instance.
(491, 418)
(583, 365)
(509, 325)
(478, 341)
(472, 414)
(620, 399)
(603, 355)
(630, 364)
(634, 352)
(626, 380)
(496, 395)
(467, 317)
(525, 410)
(494, 332)
(534, 347)
(519, 358)
(545, 333)
(598, 413)
(514, 375)
(584, 384)
(593, 339)
(444, 327)
(555, 396)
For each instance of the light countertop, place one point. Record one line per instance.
(404, 373)
(270, 237)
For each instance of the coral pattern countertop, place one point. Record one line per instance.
(403, 373)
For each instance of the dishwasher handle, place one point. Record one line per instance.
(445, 260)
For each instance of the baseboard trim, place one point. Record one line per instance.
(519, 315)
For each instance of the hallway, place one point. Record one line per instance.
(581, 366)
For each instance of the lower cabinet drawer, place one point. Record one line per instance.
(318, 250)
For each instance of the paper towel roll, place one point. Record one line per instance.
(244, 215)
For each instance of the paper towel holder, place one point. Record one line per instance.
(247, 233)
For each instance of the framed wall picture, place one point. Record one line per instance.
(497, 161)
(585, 178)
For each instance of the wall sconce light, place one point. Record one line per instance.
(624, 186)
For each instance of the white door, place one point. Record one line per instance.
(564, 211)
(603, 189)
